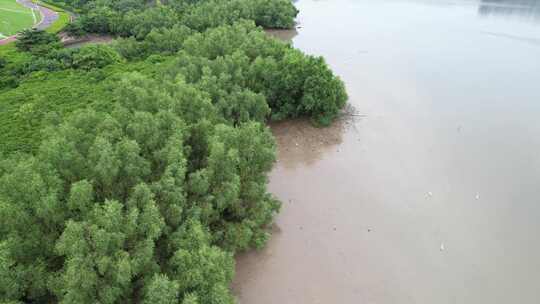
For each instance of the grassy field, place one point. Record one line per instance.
(14, 17)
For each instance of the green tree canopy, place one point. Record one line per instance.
(154, 173)
(118, 206)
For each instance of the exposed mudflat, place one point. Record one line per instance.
(76, 42)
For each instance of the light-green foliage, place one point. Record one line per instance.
(141, 198)
(246, 74)
(136, 171)
(24, 109)
(293, 83)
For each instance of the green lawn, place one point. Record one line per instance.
(14, 17)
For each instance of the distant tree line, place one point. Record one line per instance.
(138, 17)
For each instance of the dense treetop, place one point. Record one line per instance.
(157, 191)
(135, 171)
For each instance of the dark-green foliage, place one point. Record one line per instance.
(30, 39)
(294, 84)
(137, 18)
(266, 13)
(95, 56)
(242, 56)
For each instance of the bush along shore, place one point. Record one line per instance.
(133, 172)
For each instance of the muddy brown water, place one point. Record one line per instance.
(433, 195)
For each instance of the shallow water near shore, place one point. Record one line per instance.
(432, 194)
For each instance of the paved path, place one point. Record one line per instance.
(48, 17)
